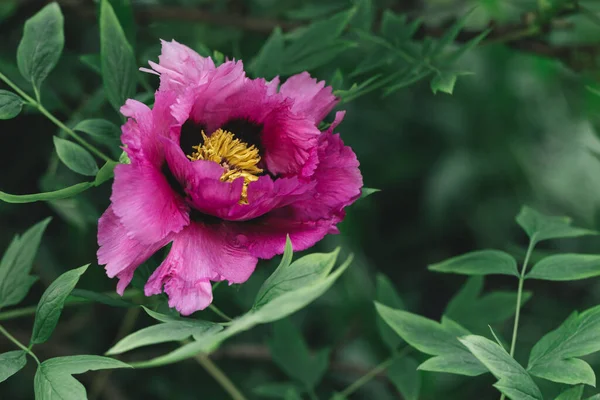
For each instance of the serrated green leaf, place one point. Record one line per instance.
(542, 227)
(278, 308)
(566, 267)
(10, 104)
(451, 33)
(51, 304)
(75, 157)
(386, 294)
(396, 29)
(288, 277)
(11, 363)
(573, 393)
(481, 262)
(405, 377)
(558, 351)
(455, 55)
(319, 55)
(431, 337)
(16, 265)
(168, 331)
(476, 312)
(42, 44)
(46, 196)
(54, 381)
(116, 57)
(291, 354)
(269, 59)
(318, 35)
(513, 380)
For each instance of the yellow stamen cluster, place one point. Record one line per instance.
(238, 159)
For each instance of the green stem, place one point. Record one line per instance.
(25, 311)
(374, 372)
(42, 109)
(515, 333)
(19, 344)
(219, 376)
(220, 313)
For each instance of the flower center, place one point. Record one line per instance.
(238, 159)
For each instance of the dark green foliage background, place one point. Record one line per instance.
(453, 171)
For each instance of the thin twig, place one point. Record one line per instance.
(219, 376)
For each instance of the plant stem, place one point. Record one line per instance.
(37, 104)
(19, 344)
(25, 311)
(219, 313)
(374, 372)
(219, 376)
(513, 342)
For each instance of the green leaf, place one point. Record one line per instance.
(482, 262)
(101, 298)
(171, 330)
(406, 378)
(365, 192)
(16, 264)
(288, 277)
(100, 129)
(275, 390)
(269, 59)
(556, 352)
(11, 363)
(42, 44)
(10, 104)
(542, 227)
(395, 28)
(513, 380)
(117, 58)
(92, 61)
(54, 381)
(105, 173)
(566, 267)
(445, 81)
(277, 308)
(573, 393)
(435, 339)
(291, 354)
(386, 294)
(46, 196)
(75, 157)
(51, 304)
(124, 11)
(475, 312)
(451, 34)
(318, 34)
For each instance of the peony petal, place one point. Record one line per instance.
(201, 252)
(145, 126)
(146, 205)
(265, 237)
(311, 98)
(121, 254)
(179, 66)
(288, 141)
(338, 181)
(201, 181)
(265, 195)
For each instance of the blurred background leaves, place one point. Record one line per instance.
(453, 172)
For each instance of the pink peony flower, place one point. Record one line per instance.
(223, 167)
